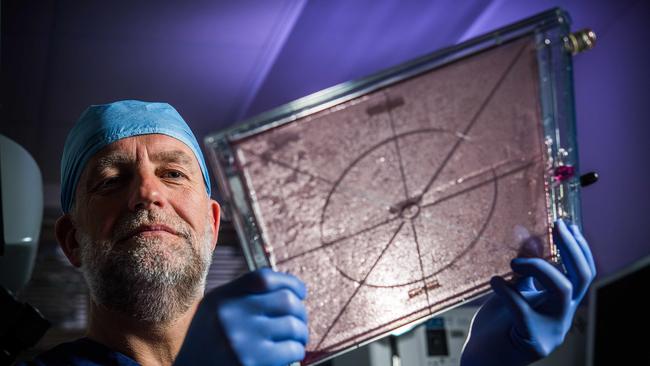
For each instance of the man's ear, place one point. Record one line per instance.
(216, 219)
(65, 230)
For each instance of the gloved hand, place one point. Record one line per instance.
(258, 319)
(522, 323)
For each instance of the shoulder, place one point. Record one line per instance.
(82, 352)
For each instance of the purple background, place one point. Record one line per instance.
(221, 61)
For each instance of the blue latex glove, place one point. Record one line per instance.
(258, 319)
(522, 323)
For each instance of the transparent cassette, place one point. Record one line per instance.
(400, 195)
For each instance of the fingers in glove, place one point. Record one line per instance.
(551, 278)
(513, 299)
(525, 284)
(287, 328)
(573, 258)
(582, 242)
(267, 280)
(278, 303)
(287, 352)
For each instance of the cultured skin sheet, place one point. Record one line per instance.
(405, 201)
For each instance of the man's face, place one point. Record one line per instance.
(145, 227)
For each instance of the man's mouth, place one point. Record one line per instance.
(156, 229)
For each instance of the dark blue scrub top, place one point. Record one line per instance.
(82, 352)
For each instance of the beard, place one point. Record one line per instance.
(152, 279)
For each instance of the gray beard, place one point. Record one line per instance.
(146, 278)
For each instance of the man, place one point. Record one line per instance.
(139, 223)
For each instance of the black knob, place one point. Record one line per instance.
(588, 179)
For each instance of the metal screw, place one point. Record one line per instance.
(582, 40)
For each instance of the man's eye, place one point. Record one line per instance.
(175, 174)
(108, 183)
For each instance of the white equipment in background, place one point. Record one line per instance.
(21, 189)
(437, 342)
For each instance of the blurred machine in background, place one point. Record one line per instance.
(618, 315)
(21, 213)
(437, 342)
(21, 188)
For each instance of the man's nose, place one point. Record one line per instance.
(146, 191)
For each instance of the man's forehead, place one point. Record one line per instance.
(158, 148)
(155, 147)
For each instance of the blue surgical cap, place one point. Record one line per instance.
(101, 125)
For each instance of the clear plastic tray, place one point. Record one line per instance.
(400, 195)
